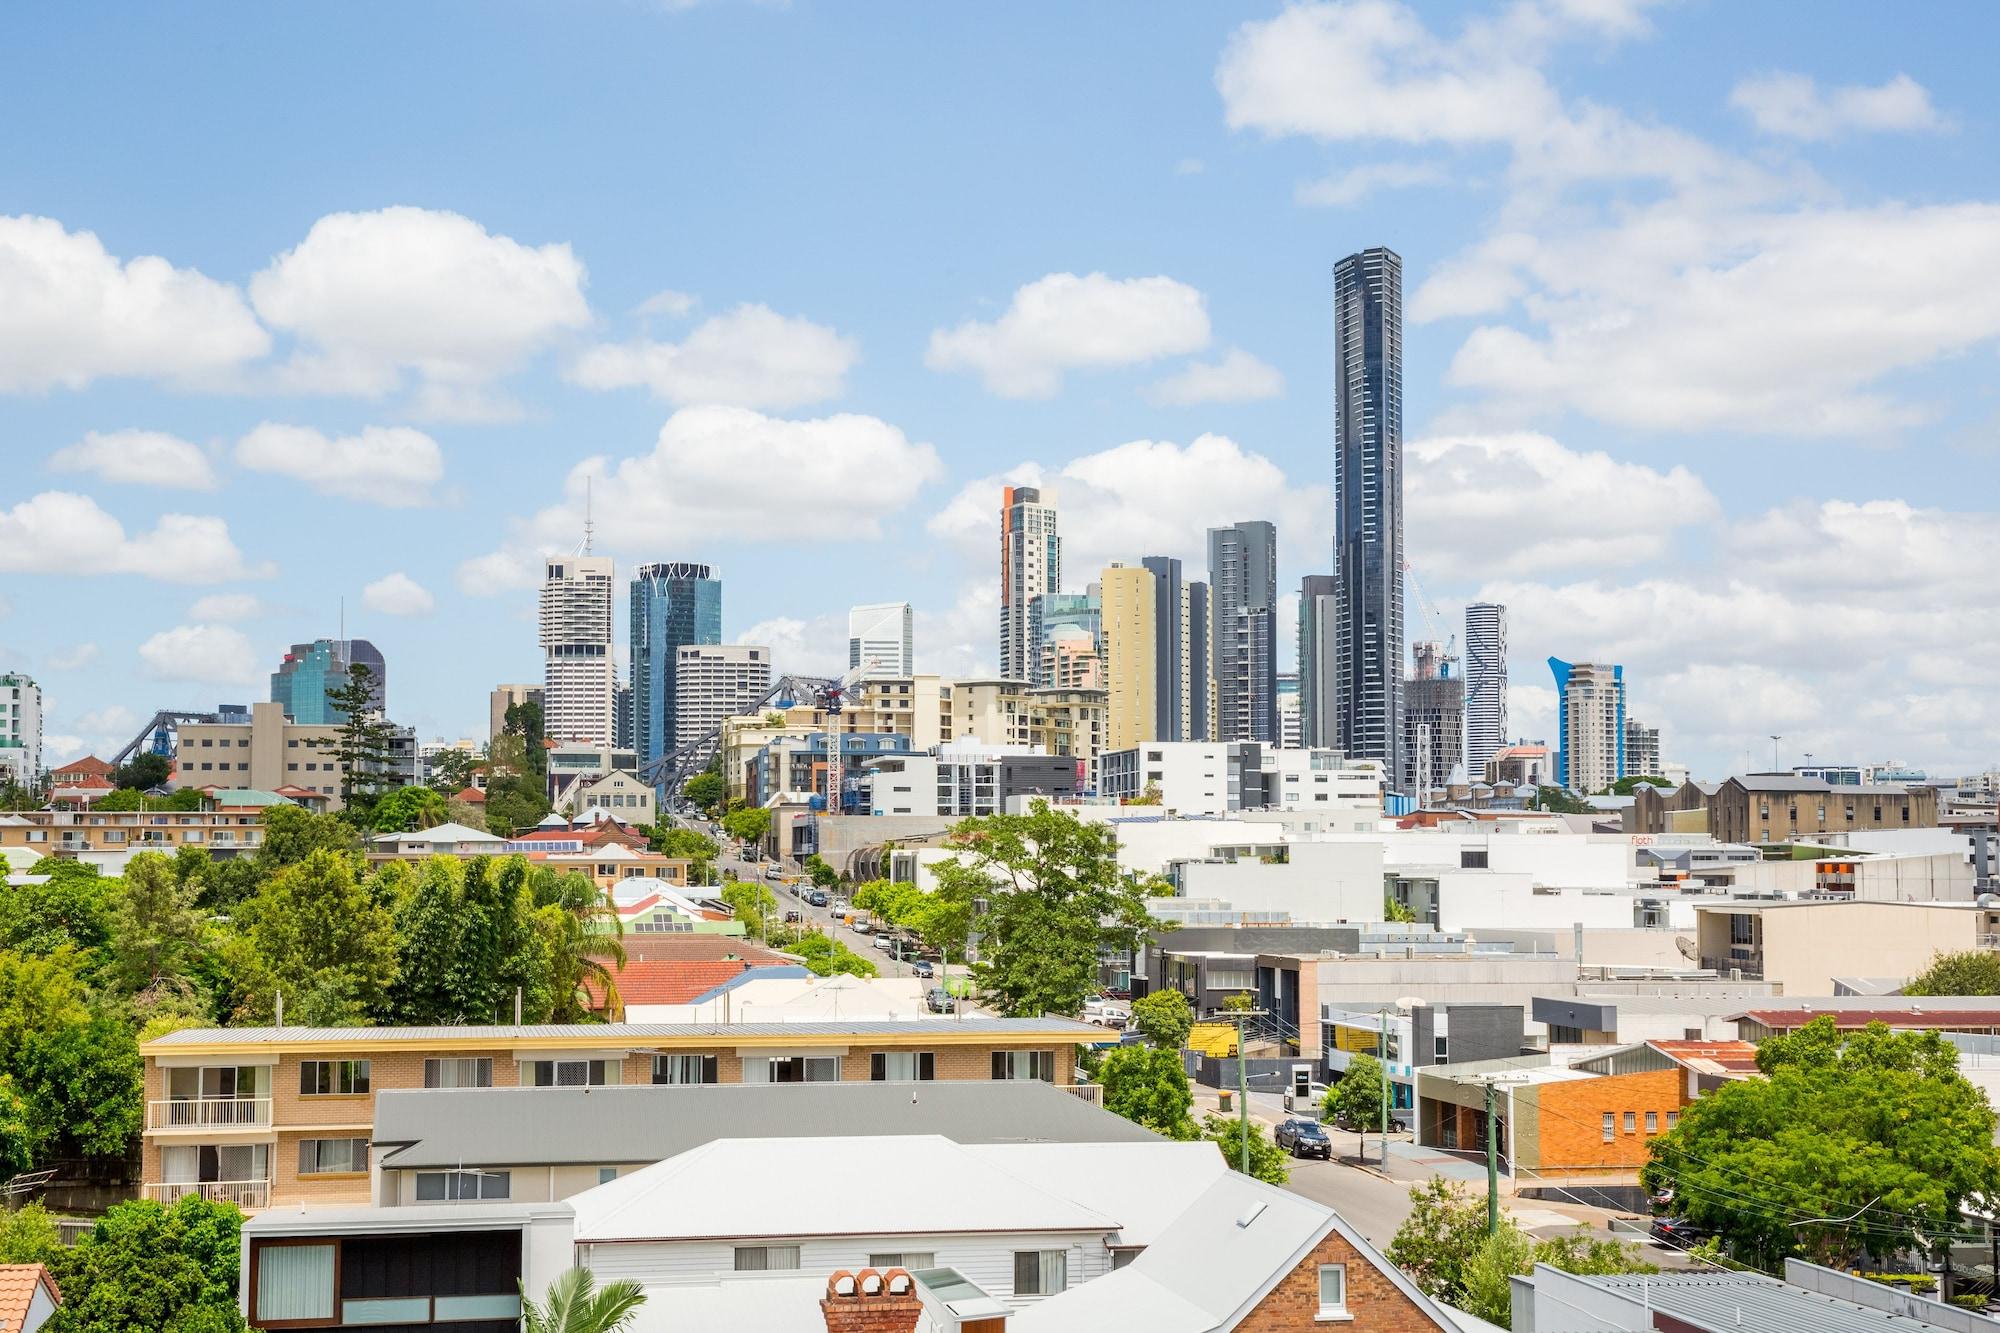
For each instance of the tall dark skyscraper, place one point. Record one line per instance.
(1319, 639)
(1170, 682)
(1201, 663)
(1368, 506)
(674, 605)
(1243, 599)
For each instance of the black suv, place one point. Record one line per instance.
(1304, 1138)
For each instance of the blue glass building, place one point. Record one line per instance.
(674, 605)
(311, 669)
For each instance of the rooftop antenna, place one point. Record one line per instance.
(589, 529)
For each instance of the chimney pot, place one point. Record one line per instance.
(871, 1301)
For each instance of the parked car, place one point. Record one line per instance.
(884, 943)
(1304, 1138)
(793, 915)
(938, 1000)
(923, 969)
(817, 897)
(773, 872)
(1676, 1233)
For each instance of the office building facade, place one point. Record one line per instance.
(1200, 630)
(1319, 652)
(717, 680)
(309, 670)
(1368, 505)
(1243, 592)
(675, 605)
(1030, 565)
(881, 640)
(1173, 682)
(1591, 711)
(1485, 684)
(1131, 655)
(578, 676)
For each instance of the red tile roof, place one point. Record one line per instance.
(90, 765)
(17, 1292)
(670, 981)
(1942, 1019)
(472, 795)
(688, 948)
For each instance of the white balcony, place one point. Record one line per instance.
(245, 1194)
(210, 1113)
(1089, 1092)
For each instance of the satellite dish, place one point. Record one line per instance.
(1687, 948)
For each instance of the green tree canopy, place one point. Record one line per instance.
(749, 824)
(156, 931)
(407, 808)
(144, 1266)
(581, 942)
(466, 941)
(705, 790)
(1357, 1099)
(361, 743)
(1625, 786)
(1559, 801)
(74, 1072)
(1054, 899)
(143, 771)
(1974, 972)
(574, 1303)
(452, 771)
(825, 956)
(72, 910)
(1148, 1085)
(1164, 1018)
(292, 833)
(1268, 1162)
(323, 939)
(670, 839)
(1876, 1128)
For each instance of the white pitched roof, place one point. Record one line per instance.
(752, 1187)
(1146, 1186)
(441, 833)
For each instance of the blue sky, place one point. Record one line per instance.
(1699, 374)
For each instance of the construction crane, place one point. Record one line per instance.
(1432, 616)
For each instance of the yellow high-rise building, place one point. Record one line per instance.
(1131, 632)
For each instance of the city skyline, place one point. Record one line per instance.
(898, 376)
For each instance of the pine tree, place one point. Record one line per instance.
(363, 743)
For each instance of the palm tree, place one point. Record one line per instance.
(584, 938)
(573, 1304)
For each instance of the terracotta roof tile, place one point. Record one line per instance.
(662, 981)
(17, 1292)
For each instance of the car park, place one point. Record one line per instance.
(1304, 1138)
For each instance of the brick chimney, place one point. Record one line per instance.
(871, 1302)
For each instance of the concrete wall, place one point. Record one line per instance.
(1807, 945)
(1322, 882)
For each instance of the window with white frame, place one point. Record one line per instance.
(1025, 1064)
(766, 1258)
(572, 1073)
(1332, 1289)
(686, 1069)
(792, 1069)
(324, 1157)
(462, 1186)
(459, 1072)
(902, 1067)
(1040, 1272)
(914, 1260)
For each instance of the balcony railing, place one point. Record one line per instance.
(244, 1194)
(1089, 1092)
(209, 1113)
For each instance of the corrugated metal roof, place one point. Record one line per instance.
(622, 1034)
(504, 1127)
(1755, 1303)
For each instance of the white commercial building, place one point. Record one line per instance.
(1223, 777)
(578, 676)
(1030, 565)
(713, 681)
(1485, 685)
(20, 730)
(880, 641)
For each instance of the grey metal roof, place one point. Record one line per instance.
(1755, 1303)
(494, 1127)
(617, 1034)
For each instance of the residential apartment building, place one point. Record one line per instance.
(1291, 720)
(1433, 722)
(578, 676)
(20, 730)
(1217, 777)
(310, 670)
(504, 697)
(965, 778)
(1642, 749)
(1485, 685)
(284, 1115)
(1319, 656)
(1030, 566)
(1805, 945)
(1075, 618)
(1131, 655)
(1368, 505)
(1591, 714)
(673, 605)
(794, 764)
(270, 753)
(232, 822)
(1243, 579)
(1070, 722)
(717, 681)
(1073, 659)
(881, 640)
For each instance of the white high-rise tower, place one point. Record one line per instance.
(1485, 685)
(1030, 565)
(879, 637)
(579, 678)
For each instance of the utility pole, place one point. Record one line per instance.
(1382, 1060)
(1243, 1092)
(1492, 1158)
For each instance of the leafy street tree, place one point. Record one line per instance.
(452, 771)
(466, 940)
(28, 1235)
(574, 1303)
(156, 931)
(1625, 786)
(753, 904)
(1054, 898)
(822, 874)
(827, 957)
(1875, 1125)
(361, 745)
(1558, 801)
(940, 921)
(517, 772)
(1165, 1018)
(705, 790)
(1149, 1086)
(1356, 1101)
(145, 1266)
(324, 940)
(292, 833)
(1268, 1162)
(407, 808)
(73, 910)
(672, 840)
(1238, 1003)
(749, 825)
(143, 771)
(1444, 1247)
(1974, 972)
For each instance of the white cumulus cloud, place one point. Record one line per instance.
(1794, 106)
(1237, 378)
(749, 357)
(398, 594)
(71, 312)
(1064, 322)
(60, 532)
(1351, 187)
(73, 658)
(227, 606)
(394, 466)
(375, 297)
(201, 654)
(138, 458)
